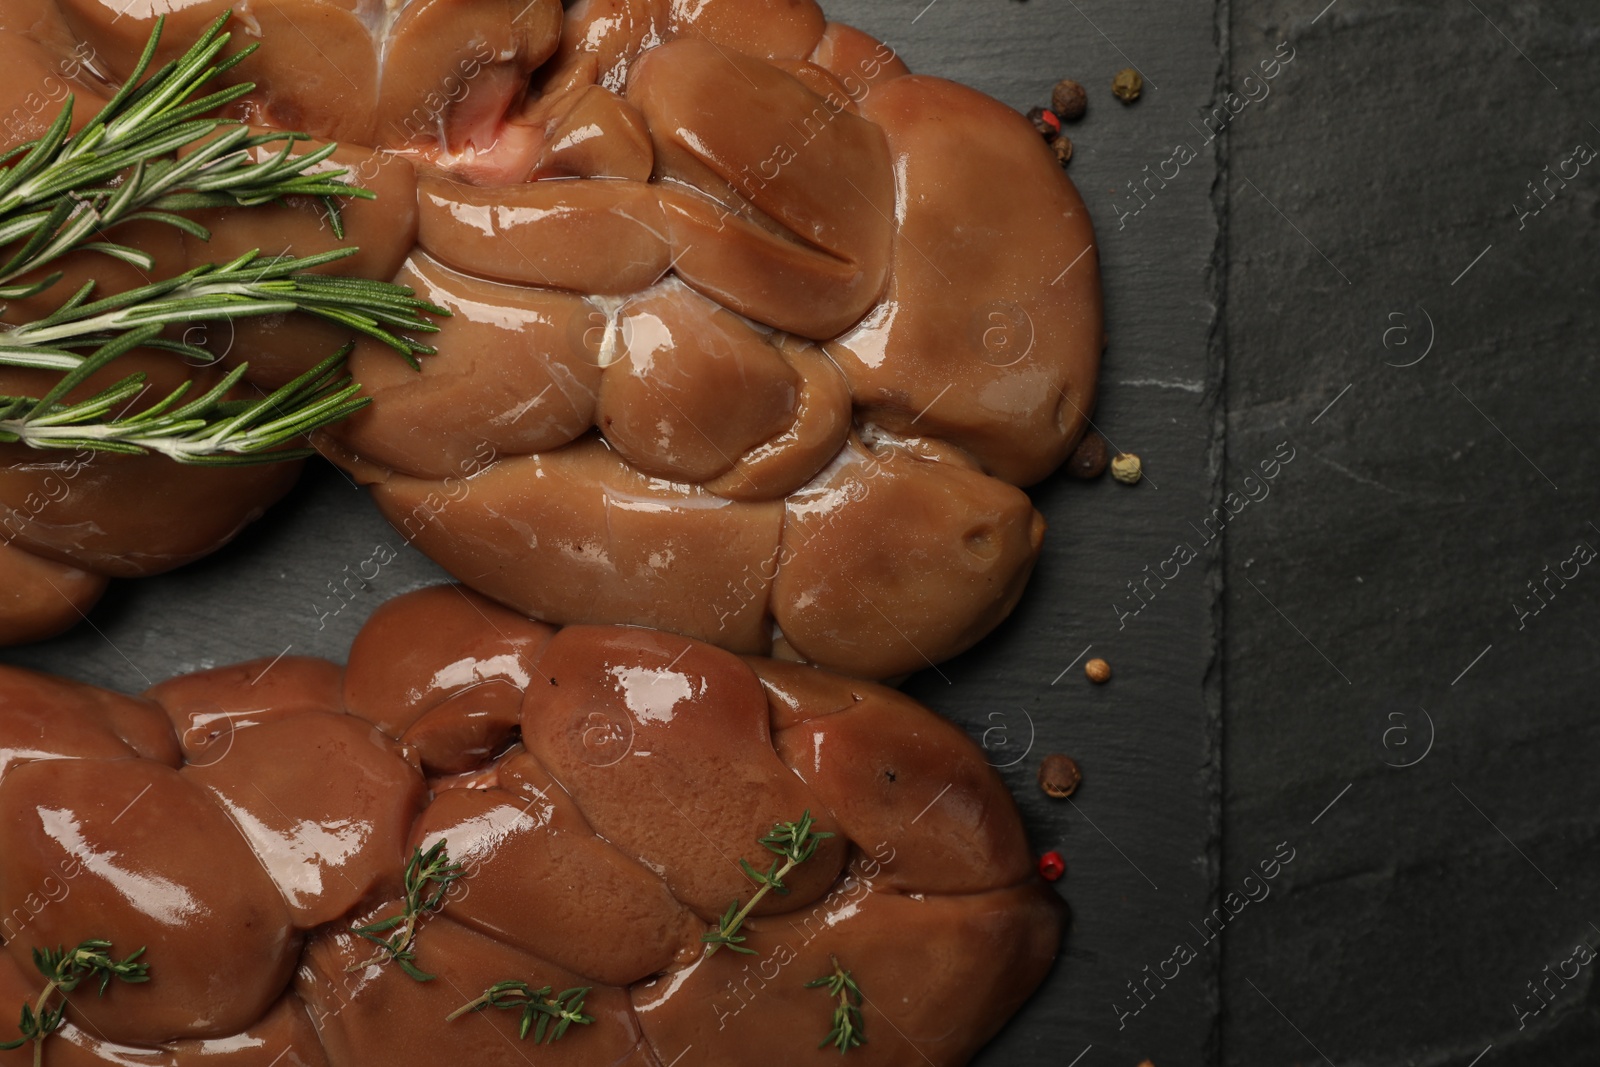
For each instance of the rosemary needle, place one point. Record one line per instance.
(245, 287)
(147, 155)
(57, 192)
(64, 971)
(207, 431)
(792, 843)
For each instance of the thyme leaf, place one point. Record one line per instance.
(64, 971)
(792, 843)
(428, 878)
(547, 1015)
(847, 1032)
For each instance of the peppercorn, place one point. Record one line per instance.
(1098, 671)
(1126, 468)
(1127, 85)
(1044, 120)
(1059, 775)
(1089, 458)
(1052, 866)
(1069, 100)
(1063, 146)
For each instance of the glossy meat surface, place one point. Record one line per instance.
(240, 821)
(742, 309)
(751, 261)
(69, 520)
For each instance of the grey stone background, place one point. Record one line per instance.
(1351, 271)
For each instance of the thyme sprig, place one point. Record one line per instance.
(547, 1015)
(792, 843)
(64, 971)
(428, 878)
(149, 154)
(847, 1032)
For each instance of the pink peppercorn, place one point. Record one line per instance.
(1045, 121)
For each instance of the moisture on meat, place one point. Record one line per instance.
(756, 335)
(597, 784)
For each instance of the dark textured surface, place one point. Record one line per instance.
(1361, 180)
(1140, 834)
(1421, 904)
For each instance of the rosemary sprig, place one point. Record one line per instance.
(792, 843)
(147, 155)
(425, 869)
(547, 1015)
(210, 430)
(59, 191)
(64, 971)
(207, 431)
(244, 287)
(847, 1032)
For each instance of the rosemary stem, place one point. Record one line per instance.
(158, 150)
(115, 320)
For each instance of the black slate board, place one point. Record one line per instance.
(1250, 288)
(1423, 903)
(1141, 834)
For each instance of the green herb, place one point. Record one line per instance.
(60, 193)
(425, 869)
(847, 1032)
(245, 287)
(207, 431)
(539, 1008)
(57, 192)
(792, 843)
(64, 971)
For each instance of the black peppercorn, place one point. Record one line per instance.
(1059, 776)
(1069, 100)
(1089, 459)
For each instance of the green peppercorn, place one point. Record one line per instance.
(1127, 85)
